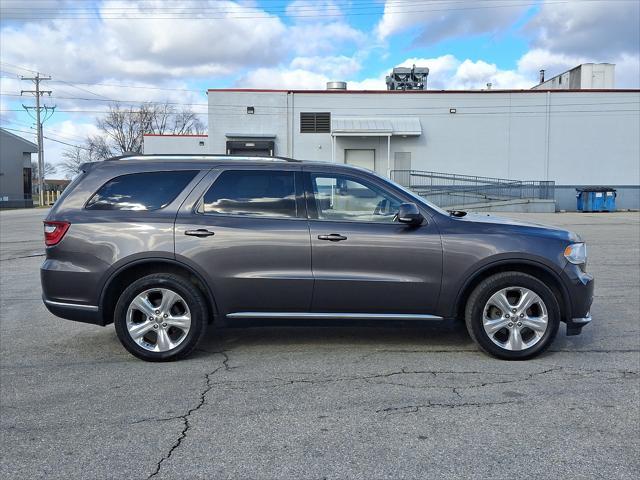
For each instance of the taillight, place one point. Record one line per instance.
(54, 231)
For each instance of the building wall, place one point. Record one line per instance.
(228, 117)
(176, 144)
(15, 155)
(571, 138)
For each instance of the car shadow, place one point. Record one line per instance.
(448, 335)
(428, 336)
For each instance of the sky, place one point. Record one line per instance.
(98, 51)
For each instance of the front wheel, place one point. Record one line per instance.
(160, 317)
(513, 316)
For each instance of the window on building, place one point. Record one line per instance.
(315, 122)
(141, 191)
(262, 193)
(341, 198)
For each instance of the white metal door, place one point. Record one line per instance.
(361, 158)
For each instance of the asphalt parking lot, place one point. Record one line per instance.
(357, 401)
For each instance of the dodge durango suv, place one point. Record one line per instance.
(163, 246)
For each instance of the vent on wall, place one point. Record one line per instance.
(315, 122)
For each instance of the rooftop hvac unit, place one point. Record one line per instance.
(404, 78)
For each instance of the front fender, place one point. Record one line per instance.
(454, 294)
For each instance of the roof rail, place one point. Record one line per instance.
(197, 155)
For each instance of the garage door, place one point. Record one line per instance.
(361, 158)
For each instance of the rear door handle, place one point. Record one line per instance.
(332, 237)
(201, 232)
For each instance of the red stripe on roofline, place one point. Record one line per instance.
(172, 135)
(400, 92)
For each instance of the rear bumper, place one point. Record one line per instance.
(75, 311)
(59, 279)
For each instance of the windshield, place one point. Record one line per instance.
(418, 198)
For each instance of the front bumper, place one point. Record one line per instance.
(574, 326)
(580, 286)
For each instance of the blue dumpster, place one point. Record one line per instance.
(596, 199)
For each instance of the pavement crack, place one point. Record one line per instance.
(209, 384)
(416, 408)
(155, 419)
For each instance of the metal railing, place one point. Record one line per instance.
(452, 190)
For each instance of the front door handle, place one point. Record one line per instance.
(332, 237)
(201, 232)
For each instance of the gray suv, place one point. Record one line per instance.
(163, 246)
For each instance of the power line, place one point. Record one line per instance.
(44, 136)
(262, 15)
(142, 87)
(50, 131)
(287, 9)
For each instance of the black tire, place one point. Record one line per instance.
(194, 300)
(481, 295)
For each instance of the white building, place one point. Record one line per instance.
(574, 138)
(155, 143)
(588, 76)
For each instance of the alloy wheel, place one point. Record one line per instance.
(515, 318)
(158, 319)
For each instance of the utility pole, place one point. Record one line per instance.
(39, 93)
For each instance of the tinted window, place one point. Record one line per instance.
(341, 198)
(262, 193)
(141, 191)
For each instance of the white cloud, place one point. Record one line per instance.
(283, 78)
(440, 69)
(91, 49)
(308, 38)
(445, 73)
(336, 66)
(599, 30)
(562, 35)
(432, 22)
(450, 73)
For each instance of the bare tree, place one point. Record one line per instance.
(49, 170)
(122, 129)
(73, 159)
(166, 119)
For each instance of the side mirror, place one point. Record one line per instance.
(409, 214)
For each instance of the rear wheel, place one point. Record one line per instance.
(160, 317)
(512, 315)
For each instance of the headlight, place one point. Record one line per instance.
(576, 253)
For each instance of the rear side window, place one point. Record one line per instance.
(141, 191)
(262, 193)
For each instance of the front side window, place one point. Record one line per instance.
(141, 191)
(262, 193)
(345, 199)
